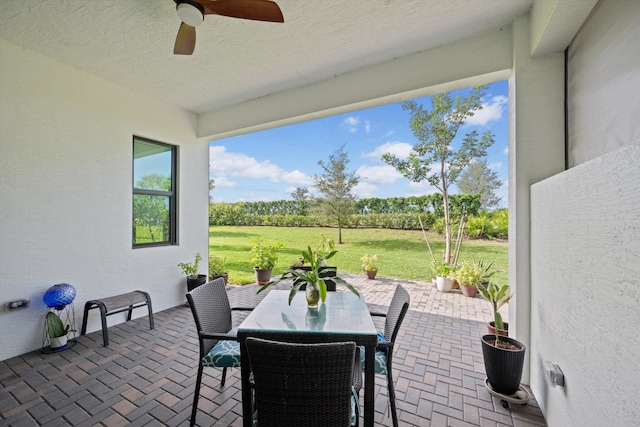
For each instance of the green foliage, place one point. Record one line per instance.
(217, 266)
(404, 252)
(191, 270)
(500, 219)
(468, 273)
(264, 256)
(55, 327)
(478, 178)
(441, 268)
(497, 295)
(369, 262)
(336, 184)
(436, 131)
(480, 227)
(315, 259)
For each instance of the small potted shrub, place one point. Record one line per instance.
(442, 270)
(57, 331)
(194, 279)
(264, 257)
(218, 268)
(470, 274)
(369, 265)
(503, 356)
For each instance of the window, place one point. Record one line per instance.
(154, 193)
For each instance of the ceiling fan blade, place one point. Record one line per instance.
(257, 10)
(185, 41)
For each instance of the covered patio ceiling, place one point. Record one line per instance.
(130, 43)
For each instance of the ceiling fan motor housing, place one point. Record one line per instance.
(190, 13)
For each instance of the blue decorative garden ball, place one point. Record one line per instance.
(59, 295)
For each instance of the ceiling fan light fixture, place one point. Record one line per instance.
(190, 13)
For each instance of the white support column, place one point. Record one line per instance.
(536, 151)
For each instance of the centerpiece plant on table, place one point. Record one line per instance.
(315, 285)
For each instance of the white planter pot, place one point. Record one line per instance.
(444, 284)
(58, 343)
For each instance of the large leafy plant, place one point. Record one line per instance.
(497, 297)
(314, 259)
(55, 327)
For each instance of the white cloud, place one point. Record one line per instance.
(490, 112)
(400, 149)
(351, 123)
(225, 163)
(385, 174)
(506, 150)
(365, 189)
(223, 181)
(424, 187)
(495, 166)
(297, 177)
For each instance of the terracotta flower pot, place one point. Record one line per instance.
(469, 291)
(371, 274)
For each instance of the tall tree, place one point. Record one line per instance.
(336, 184)
(478, 178)
(212, 186)
(301, 193)
(434, 158)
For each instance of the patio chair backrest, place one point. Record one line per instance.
(211, 310)
(302, 384)
(396, 312)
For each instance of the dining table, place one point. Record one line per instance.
(343, 316)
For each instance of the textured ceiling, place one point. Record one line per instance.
(130, 42)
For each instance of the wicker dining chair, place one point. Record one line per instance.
(386, 340)
(305, 385)
(218, 341)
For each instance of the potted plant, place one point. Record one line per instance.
(218, 268)
(264, 257)
(310, 278)
(442, 270)
(194, 279)
(503, 356)
(369, 265)
(470, 274)
(57, 331)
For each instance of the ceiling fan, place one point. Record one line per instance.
(192, 12)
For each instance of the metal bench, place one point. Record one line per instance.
(117, 304)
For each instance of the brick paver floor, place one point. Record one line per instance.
(147, 377)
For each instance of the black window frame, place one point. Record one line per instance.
(172, 195)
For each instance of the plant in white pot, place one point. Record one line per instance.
(57, 331)
(503, 356)
(442, 270)
(191, 270)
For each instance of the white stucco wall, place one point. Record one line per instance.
(65, 193)
(585, 293)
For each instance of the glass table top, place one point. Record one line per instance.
(342, 312)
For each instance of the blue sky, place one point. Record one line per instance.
(268, 165)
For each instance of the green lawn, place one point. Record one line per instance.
(403, 254)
